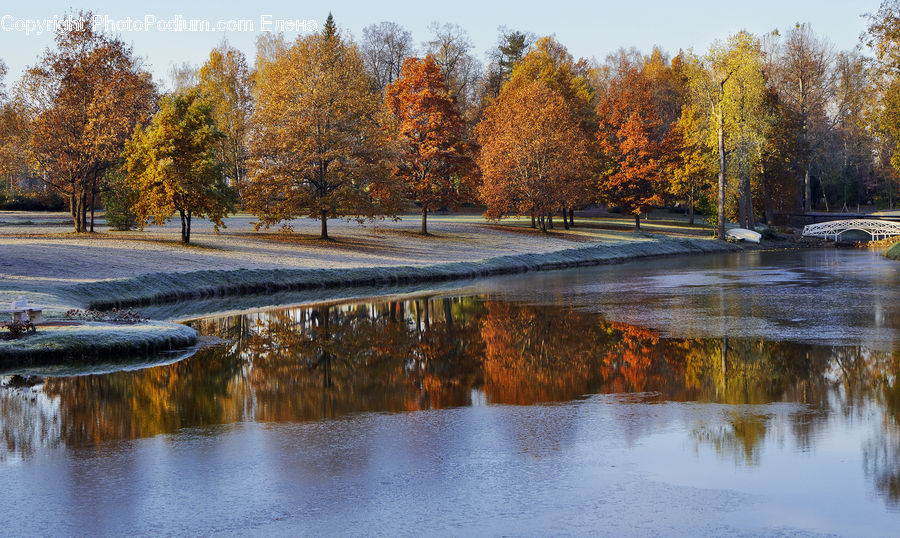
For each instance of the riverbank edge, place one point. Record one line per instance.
(157, 288)
(95, 341)
(893, 252)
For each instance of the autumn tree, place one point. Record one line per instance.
(746, 111)
(689, 168)
(173, 164)
(883, 37)
(434, 162)
(778, 184)
(628, 136)
(549, 61)
(225, 82)
(531, 148)
(318, 146)
(384, 48)
(14, 135)
(84, 99)
(728, 87)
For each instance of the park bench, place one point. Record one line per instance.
(22, 312)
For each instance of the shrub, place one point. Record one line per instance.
(33, 202)
(122, 317)
(18, 329)
(118, 200)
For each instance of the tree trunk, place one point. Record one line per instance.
(187, 238)
(542, 223)
(183, 225)
(572, 217)
(807, 193)
(324, 219)
(721, 200)
(73, 209)
(533, 220)
(691, 209)
(565, 219)
(767, 198)
(748, 201)
(83, 208)
(550, 220)
(742, 202)
(93, 201)
(637, 222)
(424, 220)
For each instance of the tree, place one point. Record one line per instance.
(889, 123)
(119, 199)
(14, 135)
(846, 156)
(549, 61)
(512, 46)
(778, 158)
(173, 164)
(628, 138)
(805, 80)
(745, 109)
(3, 71)
(883, 37)
(728, 87)
(385, 46)
(690, 167)
(434, 163)
(531, 147)
(84, 100)
(318, 147)
(225, 81)
(450, 46)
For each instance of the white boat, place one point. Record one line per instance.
(742, 234)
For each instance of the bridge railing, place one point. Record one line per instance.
(877, 229)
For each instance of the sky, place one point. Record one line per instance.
(588, 29)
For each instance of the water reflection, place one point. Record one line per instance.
(305, 364)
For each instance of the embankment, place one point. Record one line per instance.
(168, 287)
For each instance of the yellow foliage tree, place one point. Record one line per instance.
(174, 165)
(318, 147)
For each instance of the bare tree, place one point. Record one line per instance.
(2, 84)
(384, 48)
(451, 48)
(805, 78)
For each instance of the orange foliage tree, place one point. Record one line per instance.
(84, 98)
(531, 149)
(549, 61)
(629, 137)
(434, 163)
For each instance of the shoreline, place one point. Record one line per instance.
(893, 252)
(160, 288)
(170, 288)
(94, 341)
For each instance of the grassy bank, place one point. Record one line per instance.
(167, 287)
(893, 252)
(80, 342)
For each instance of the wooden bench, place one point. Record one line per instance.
(22, 312)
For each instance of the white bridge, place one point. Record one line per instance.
(878, 229)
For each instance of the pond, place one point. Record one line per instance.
(750, 393)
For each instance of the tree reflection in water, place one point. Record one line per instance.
(303, 364)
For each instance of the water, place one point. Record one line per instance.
(752, 393)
